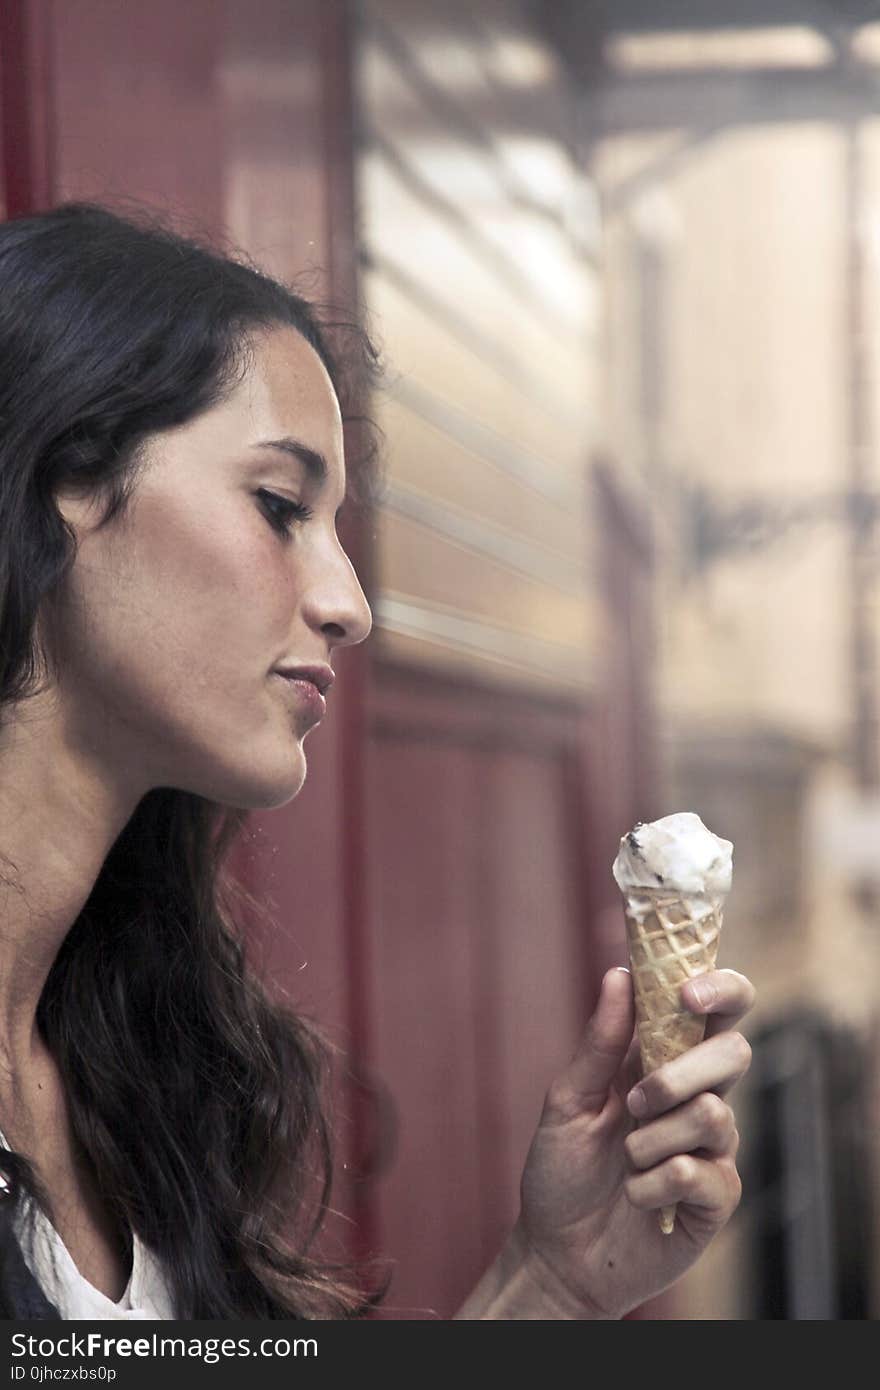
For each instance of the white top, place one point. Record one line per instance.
(146, 1294)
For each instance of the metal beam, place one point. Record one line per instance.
(652, 16)
(678, 100)
(579, 31)
(617, 197)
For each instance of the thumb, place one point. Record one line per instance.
(605, 1042)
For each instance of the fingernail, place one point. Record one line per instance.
(637, 1102)
(703, 992)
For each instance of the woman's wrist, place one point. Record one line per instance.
(520, 1284)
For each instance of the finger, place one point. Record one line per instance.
(714, 1065)
(725, 996)
(585, 1083)
(704, 1123)
(713, 1185)
(631, 1069)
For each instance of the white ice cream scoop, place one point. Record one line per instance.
(676, 853)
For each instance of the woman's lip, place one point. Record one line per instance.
(307, 695)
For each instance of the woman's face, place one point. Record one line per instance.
(227, 566)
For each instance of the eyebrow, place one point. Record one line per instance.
(315, 463)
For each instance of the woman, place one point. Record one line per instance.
(171, 469)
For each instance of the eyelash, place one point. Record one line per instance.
(287, 511)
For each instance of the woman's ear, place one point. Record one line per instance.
(81, 508)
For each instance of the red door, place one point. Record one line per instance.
(479, 969)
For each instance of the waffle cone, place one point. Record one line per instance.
(671, 939)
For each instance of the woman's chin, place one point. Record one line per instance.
(280, 790)
(262, 789)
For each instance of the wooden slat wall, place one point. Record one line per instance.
(489, 754)
(479, 276)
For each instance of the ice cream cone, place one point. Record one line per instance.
(674, 875)
(672, 938)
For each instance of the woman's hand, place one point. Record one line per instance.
(588, 1234)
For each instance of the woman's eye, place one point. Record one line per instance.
(281, 511)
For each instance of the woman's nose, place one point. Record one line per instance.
(337, 603)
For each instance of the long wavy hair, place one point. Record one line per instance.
(200, 1102)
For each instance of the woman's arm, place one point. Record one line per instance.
(516, 1286)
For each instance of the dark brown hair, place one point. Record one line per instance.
(199, 1101)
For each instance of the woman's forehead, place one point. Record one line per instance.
(283, 411)
(288, 389)
(290, 408)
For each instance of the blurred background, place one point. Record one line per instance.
(623, 261)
